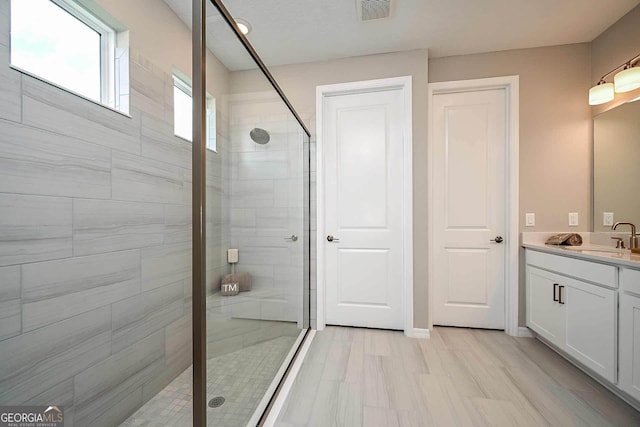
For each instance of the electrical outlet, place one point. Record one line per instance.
(573, 219)
(530, 220)
(608, 219)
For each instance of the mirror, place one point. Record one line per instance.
(616, 165)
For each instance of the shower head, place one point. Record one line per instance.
(259, 136)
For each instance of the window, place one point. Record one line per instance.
(182, 109)
(183, 113)
(61, 42)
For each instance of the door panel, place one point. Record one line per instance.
(362, 171)
(590, 316)
(468, 285)
(469, 208)
(544, 315)
(363, 210)
(362, 277)
(630, 344)
(466, 142)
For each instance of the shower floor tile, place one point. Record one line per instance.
(241, 377)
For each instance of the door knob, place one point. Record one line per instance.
(498, 239)
(330, 238)
(293, 238)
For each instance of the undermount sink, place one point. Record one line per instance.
(601, 249)
(614, 254)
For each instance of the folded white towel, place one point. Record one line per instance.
(243, 280)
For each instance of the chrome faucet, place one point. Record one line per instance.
(633, 239)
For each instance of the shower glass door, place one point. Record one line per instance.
(257, 229)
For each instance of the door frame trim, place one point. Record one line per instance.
(405, 84)
(512, 86)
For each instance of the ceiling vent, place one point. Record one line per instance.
(369, 10)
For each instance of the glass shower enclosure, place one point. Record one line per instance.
(154, 233)
(252, 334)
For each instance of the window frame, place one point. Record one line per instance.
(212, 124)
(109, 89)
(107, 46)
(181, 84)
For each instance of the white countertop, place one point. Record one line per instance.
(590, 252)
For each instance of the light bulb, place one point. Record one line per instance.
(243, 26)
(627, 80)
(601, 93)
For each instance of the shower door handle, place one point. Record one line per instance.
(293, 238)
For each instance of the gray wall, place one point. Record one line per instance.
(555, 121)
(619, 43)
(267, 206)
(616, 45)
(555, 125)
(616, 154)
(616, 158)
(555, 129)
(95, 239)
(299, 82)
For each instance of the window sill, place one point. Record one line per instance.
(182, 138)
(50, 83)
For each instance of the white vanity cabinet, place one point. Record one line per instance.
(544, 312)
(573, 304)
(630, 332)
(590, 321)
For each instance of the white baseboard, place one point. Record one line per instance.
(524, 332)
(417, 333)
(272, 417)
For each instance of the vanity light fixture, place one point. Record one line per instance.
(624, 81)
(601, 93)
(627, 79)
(243, 26)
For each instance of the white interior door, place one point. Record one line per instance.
(362, 208)
(469, 192)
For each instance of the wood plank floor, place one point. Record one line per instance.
(459, 377)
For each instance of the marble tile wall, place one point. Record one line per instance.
(267, 205)
(95, 252)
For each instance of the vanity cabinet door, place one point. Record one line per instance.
(544, 315)
(630, 344)
(590, 314)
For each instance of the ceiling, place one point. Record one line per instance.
(294, 31)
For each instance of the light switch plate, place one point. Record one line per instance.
(573, 219)
(608, 219)
(530, 220)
